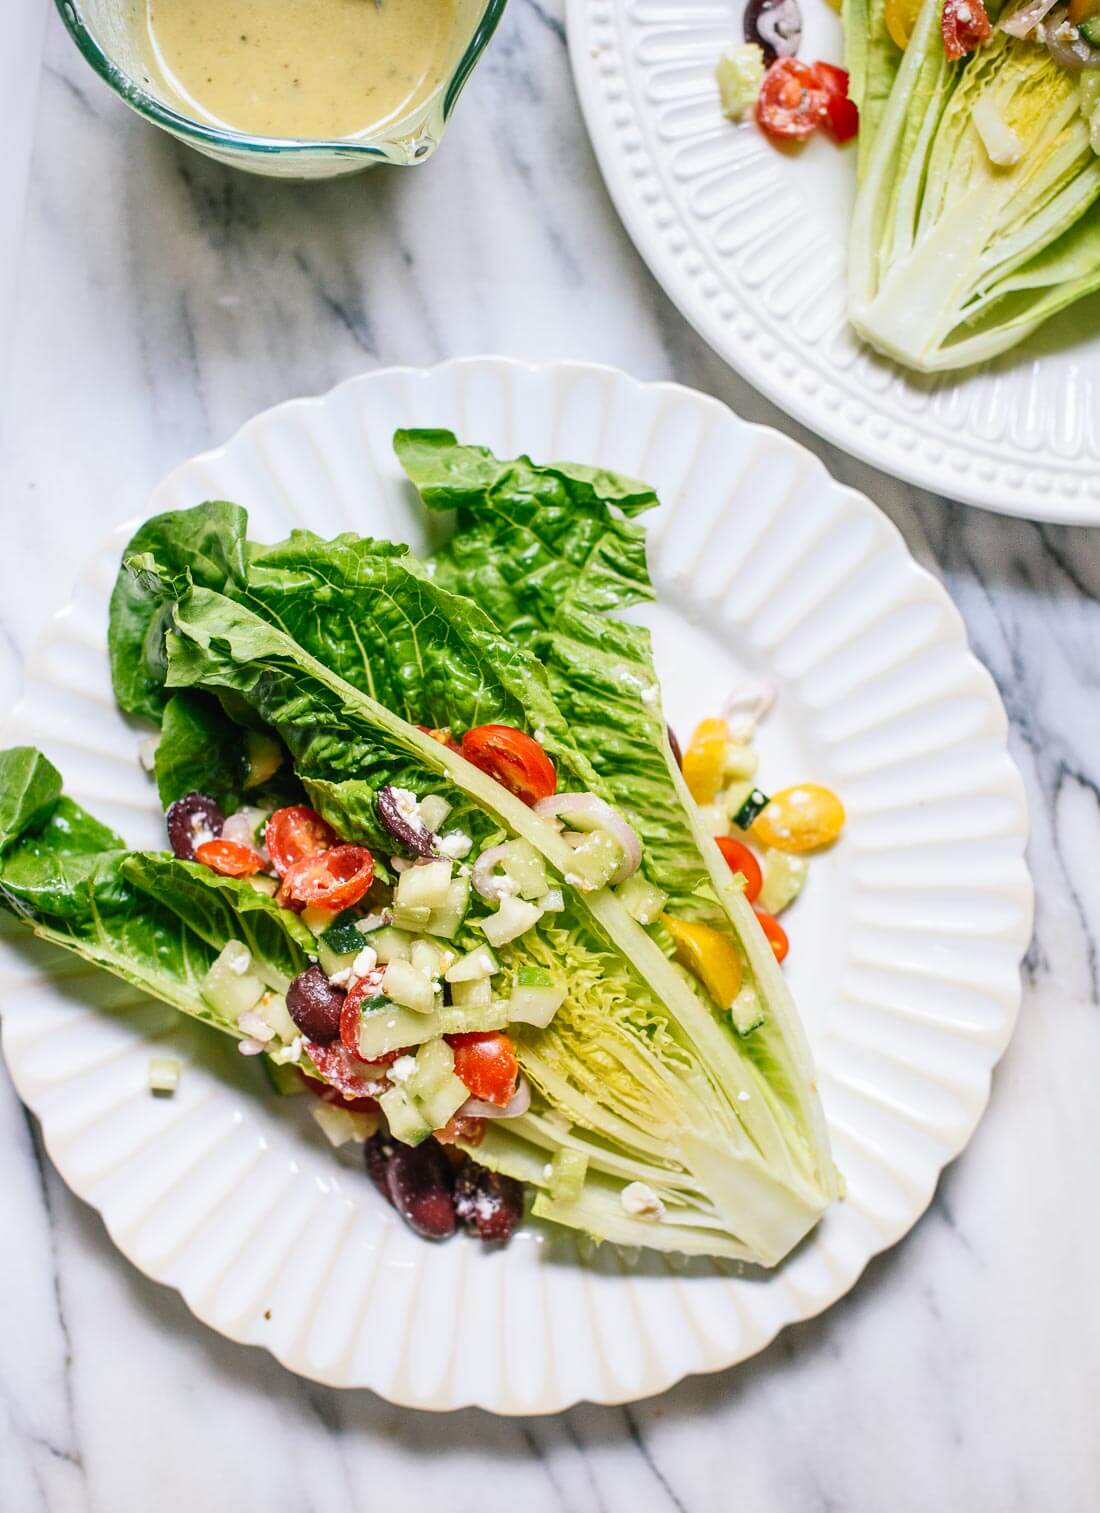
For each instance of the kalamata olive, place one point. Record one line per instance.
(487, 1204)
(191, 820)
(676, 750)
(315, 1004)
(420, 1186)
(407, 829)
(776, 25)
(377, 1152)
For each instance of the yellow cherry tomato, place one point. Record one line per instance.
(709, 956)
(901, 18)
(705, 759)
(802, 818)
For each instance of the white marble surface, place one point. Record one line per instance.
(157, 302)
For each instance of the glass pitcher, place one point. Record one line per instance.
(105, 33)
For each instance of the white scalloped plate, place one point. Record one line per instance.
(905, 945)
(749, 243)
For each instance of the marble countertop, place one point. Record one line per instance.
(150, 301)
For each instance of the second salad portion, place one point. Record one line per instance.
(436, 856)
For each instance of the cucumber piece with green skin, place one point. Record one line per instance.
(389, 1028)
(414, 918)
(1090, 30)
(535, 1003)
(342, 938)
(756, 801)
(746, 1011)
(229, 987)
(523, 864)
(405, 1120)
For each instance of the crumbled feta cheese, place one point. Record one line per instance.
(455, 846)
(650, 694)
(365, 962)
(506, 887)
(540, 736)
(402, 1069)
(371, 922)
(239, 960)
(255, 1026)
(287, 1054)
(342, 978)
(249, 1047)
(641, 1202)
(548, 1171)
(743, 1097)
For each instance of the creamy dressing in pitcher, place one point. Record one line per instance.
(300, 68)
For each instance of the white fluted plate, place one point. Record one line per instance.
(905, 944)
(749, 242)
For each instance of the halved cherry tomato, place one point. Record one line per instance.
(461, 1127)
(230, 858)
(964, 25)
(775, 933)
(792, 100)
(709, 955)
(740, 859)
(486, 1062)
(335, 879)
(351, 1017)
(340, 1069)
(514, 759)
(329, 1094)
(802, 818)
(443, 735)
(294, 834)
(841, 115)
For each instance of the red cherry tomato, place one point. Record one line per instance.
(740, 859)
(334, 880)
(792, 100)
(514, 759)
(328, 1094)
(964, 25)
(230, 858)
(351, 1016)
(841, 114)
(461, 1127)
(341, 1070)
(294, 834)
(486, 1062)
(775, 933)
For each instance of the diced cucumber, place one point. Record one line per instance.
(332, 962)
(412, 918)
(567, 1173)
(339, 1125)
(784, 875)
(534, 1003)
(263, 755)
(429, 957)
(407, 987)
(551, 902)
(273, 1010)
(405, 1120)
(753, 804)
(424, 886)
(446, 920)
(740, 762)
(434, 1086)
(316, 919)
(434, 1061)
(596, 859)
(514, 917)
(264, 884)
(284, 1078)
(480, 962)
(390, 1027)
(229, 986)
(746, 1010)
(342, 938)
(434, 810)
(477, 994)
(523, 864)
(641, 900)
(164, 1075)
(391, 944)
(1090, 30)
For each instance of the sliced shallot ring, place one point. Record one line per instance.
(518, 1103)
(482, 876)
(603, 817)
